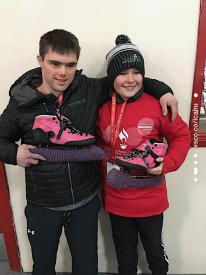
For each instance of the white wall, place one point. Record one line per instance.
(165, 31)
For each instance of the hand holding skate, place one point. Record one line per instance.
(25, 157)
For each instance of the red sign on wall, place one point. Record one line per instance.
(198, 105)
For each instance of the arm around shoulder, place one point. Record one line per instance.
(156, 88)
(164, 93)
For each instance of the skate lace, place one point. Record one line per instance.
(143, 154)
(67, 125)
(72, 129)
(136, 153)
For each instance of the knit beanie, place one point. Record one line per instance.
(123, 56)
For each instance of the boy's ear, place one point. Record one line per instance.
(39, 59)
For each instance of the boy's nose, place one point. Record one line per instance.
(130, 78)
(62, 70)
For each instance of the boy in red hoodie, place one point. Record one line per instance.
(135, 195)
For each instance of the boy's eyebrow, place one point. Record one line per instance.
(58, 62)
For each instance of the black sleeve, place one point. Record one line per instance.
(102, 86)
(9, 134)
(155, 87)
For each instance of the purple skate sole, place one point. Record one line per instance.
(119, 179)
(54, 154)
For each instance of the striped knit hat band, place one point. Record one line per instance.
(120, 48)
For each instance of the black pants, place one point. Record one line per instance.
(125, 234)
(44, 228)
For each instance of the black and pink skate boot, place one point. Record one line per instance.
(51, 130)
(144, 156)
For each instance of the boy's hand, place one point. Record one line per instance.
(25, 158)
(157, 170)
(168, 100)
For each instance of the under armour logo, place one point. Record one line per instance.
(30, 231)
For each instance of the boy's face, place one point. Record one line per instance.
(128, 83)
(58, 71)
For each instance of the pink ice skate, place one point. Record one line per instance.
(54, 130)
(144, 156)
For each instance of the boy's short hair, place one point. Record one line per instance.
(60, 41)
